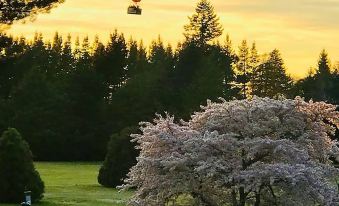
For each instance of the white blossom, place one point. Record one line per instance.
(275, 152)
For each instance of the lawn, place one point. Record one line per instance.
(70, 184)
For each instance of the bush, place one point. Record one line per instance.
(121, 156)
(17, 172)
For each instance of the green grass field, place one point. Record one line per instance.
(68, 184)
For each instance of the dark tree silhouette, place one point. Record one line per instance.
(323, 76)
(321, 85)
(121, 156)
(112, 66)
(270, 78)
(204, 25)
(243, 68)
(201, 73)
(12, 10)
(83, 93)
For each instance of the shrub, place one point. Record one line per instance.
(17, 172)
(121, 156)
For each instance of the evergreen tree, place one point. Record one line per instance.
(8, 54)
(121, 156)
(67, 59)
(99, 52)
(37, 96)
(137, 59)
(324, 67)
(270, 78)
(142, 54)
(320, 85)
(85, 127)
(77, 49)
(83, 103)
(228, 47)
(85, 49)
(204, 25)
(96, 44)
(149, 87)
(200, 74)
(243, 68)
(323, 77)
(231, 89)
(57, 43)
(17, 172)
(42, 58)
(112, 67)
(254, 58)
(85, 58)
(55, 53)
(254, 61)
(132, 58)
(20, 58)
(161, 62)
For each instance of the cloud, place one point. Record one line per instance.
(314, 13)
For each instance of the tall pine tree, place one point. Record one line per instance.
(204, 25)
(243, 68)
(319, 86)
(270, 78)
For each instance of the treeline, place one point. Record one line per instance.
(68, 100)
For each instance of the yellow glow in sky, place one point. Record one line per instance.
(300, 29)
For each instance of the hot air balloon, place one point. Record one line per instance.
(134, 8)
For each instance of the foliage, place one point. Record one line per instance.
(243, 68)
(200, 74)
(259, 151)
(12, 10)
(84, 92)
(323, 84)
(112, 65)
(17, 172)
(204, 25)
(120, 157)
(269, 79)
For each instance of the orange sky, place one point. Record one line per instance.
(299, 28)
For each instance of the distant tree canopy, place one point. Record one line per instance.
(79, 95)
(204, 25)
(12, 10)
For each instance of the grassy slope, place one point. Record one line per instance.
(70, 184)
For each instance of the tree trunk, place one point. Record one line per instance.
(242, 200)
(257, 199)
(273, 195)
(234, 198)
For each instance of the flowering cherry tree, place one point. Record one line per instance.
(243, 152)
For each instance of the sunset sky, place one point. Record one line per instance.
(299, 28)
